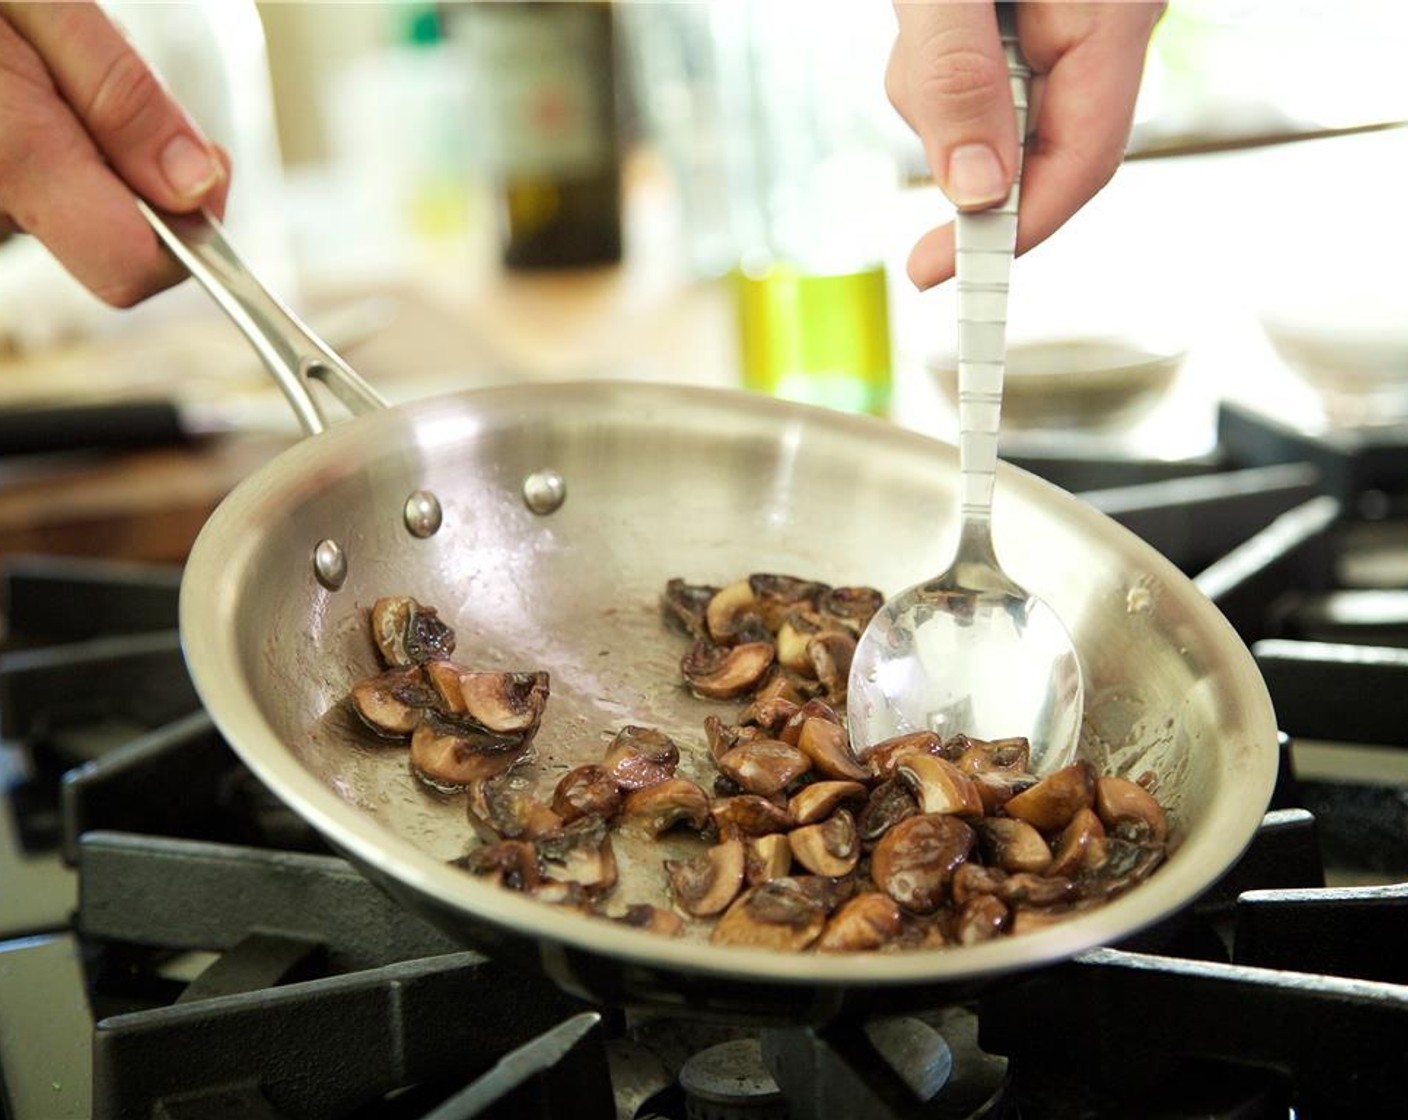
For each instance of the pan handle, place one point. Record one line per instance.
(287, 346)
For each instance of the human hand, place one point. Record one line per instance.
(948, 79)
(84, 123)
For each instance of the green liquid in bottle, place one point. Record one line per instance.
(821, 339)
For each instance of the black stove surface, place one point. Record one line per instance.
(175, 943)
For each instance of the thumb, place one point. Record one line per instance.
(141, 130)
(950, 82)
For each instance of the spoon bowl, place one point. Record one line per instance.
(971, 651)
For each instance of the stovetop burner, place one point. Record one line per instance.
(175, 943)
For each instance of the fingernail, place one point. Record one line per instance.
(189, 168)
(975, 177)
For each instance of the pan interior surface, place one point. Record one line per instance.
(709, 486)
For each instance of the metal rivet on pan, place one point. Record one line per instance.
(423, 514)
(544, 491)
(330, 564)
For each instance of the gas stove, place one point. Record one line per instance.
(175, 943)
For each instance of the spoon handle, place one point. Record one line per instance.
(985, 242)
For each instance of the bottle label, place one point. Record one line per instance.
(542, 81)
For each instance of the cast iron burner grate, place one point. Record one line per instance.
(219, 962)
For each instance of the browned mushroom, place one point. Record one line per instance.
(509, 863)
(793, 635)
(972, 879)
(499, 811)
(654, 809)
(392, 703)
(1081, 845)
(723, 737)
(829, 748)
(915, 860)
(866, 922)
(749, 815)
(768, 715)
(652, 918)
(1013, 845)
(1126, 865)
(981, 919)
(779, 686)
(1036, 891)
(686, 603)
(815, 708)
(779, 914)
(449, 758)
(640, 756)
(831, 654)
(580, 852)
(817, 801)
(882, 758)
(764, 766)
(725, 672)
(982, 756)
(830, 847)
(407, 633)
(939, 786)
(729, 610)
(505, 703)
(889, 803)
(777, 596)
(1052, 802)
(853, 607)
(1119, 799)
(766, 857)
(586, 791)
(707, 883)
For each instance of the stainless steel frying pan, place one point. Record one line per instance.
(659, 482)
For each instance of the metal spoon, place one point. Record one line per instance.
(971, 651)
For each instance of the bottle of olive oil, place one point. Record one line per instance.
(544, 85)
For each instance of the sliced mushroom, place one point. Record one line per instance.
(1013, 845)
(915, 860)
(779, 914)
(853, 607)
(449, 758)
(882, 758)
(939, 786)
(1081, 846)
(1119, 799)
(706, 884)
(654, 809)
(982, 919)
(867, 922)
(723, 672)
(794, 635)
(768, 715)
(723, 737)
(1055, 799)
(997, 787)
(509, 863)
(1127, 864)
(407, 633)
(778, 596)
(392, 703)
(505, 703)
(814, 708)
(829, 748)
(764, 766)
(889, 803)
(586, 791)
(580, 852)
(830, 847)
(652, 918)
(566, 894)
(779, 686)
(749, 815)
(982, 756)
(817, 801)
(728, 611)
(640, 756)
(1023, 920)
(766, 858)
(687, 603)
(1036, 891)
(499, 811)
(831, 654)
(972, 879)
